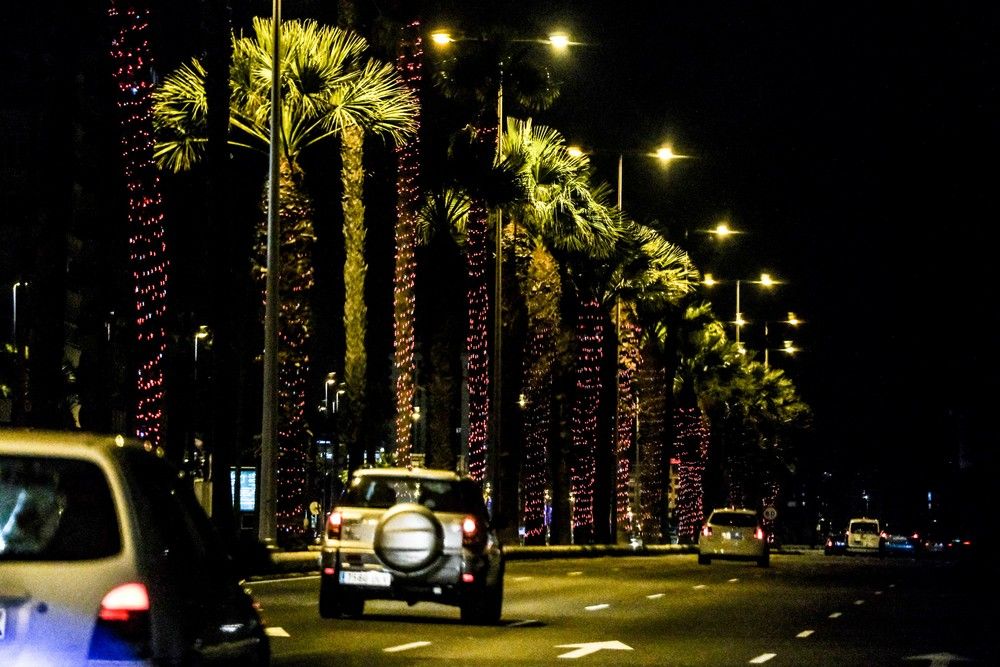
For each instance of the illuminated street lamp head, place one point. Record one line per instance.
(739, 320)
(574, 151)
(793, 320)
(666, 154)
(559, 40)
(767, 281)
(789, 347)
(441, 37)
(708, 280)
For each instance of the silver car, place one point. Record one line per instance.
(732, 533)
(412, 535)
(107, 558)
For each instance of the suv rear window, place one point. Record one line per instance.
(55, 509)
(867, 527)
(435, 495)
(734, 519)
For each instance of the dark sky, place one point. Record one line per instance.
(855, 144)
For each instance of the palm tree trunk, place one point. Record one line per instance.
(476, 340)
(586, 403)
(628, 364)
(355, 271)
(408, 64)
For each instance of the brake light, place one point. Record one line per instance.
(759, 534)
(333, 525)
(471, 534)
(122, 628)
(706, 530)
(122, 602)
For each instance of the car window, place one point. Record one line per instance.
(55, 509)
(734, 519)
(866, 527)
(435, 495)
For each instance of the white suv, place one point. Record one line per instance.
(864, 535)
(107, 558)
(412, 535)
(733, 534)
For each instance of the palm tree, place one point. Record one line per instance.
(327, 86)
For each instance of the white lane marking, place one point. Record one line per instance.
(592, 647)
(577, 573)
(655, 596)
(762, 658)
(596, 607)
(527, 621)
(701, 586)
(405, 647)
(804, 634)
(859, 602)
(835, 614)
(733, 580)
(878, 592)
(521, 578)
(892, 585)
(276, 632)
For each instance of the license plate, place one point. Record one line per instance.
(366, 578)
(735, 535)
(3, 623)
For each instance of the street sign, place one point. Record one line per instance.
(770, 513)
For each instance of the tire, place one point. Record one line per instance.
(485, 608)
(352, 606)
(765, 560)
(409, 538)
(704, 559)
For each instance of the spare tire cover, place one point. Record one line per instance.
(408, 538)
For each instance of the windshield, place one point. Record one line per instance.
(866, 527)
(734, 519)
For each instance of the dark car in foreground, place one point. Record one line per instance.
(106, 558)
(835, 544)
(416, 535)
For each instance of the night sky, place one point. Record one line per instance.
(853, 142)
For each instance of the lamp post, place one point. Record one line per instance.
(267, 519)
(558, 41)
(765, 280)
(787, 346)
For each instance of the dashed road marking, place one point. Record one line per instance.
(835, 614)
(762, 658)
(576, 573)
(878, 592)
(276, 632)
(596, 607)
(733, 580)
(405, 647)
(525, 623)
(521, 578)
(804, 634)
(655, 596)
(701, 586)
(859, 602)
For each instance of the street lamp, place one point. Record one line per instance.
(765, 280)
(788, 346)
(267, 527)
(558, 41)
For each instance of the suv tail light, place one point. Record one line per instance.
(472, 533)
(759, 534)
(706, 530)
(122, 629)
(333, 525)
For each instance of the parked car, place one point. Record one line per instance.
(412, 535)
(946, 546)
(835, 544)
(733, 534)
(105, 555)
(899, 544)
(864, 535)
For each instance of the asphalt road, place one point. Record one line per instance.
(806, 609)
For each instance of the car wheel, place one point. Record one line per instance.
(353, 605)
(485, 608)
(703, 559)
(764, 561)
(409, 538)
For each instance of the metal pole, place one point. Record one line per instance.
(620, 159)
(497, 321)
(738, 314)
(267, 520)
(13, 326)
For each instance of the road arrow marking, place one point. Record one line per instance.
(276, 632)
(592, 647)
(939, 659)
(405, 647)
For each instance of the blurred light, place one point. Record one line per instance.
(441, 37)
(559, 40)
(709, 280)
(574, 151)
